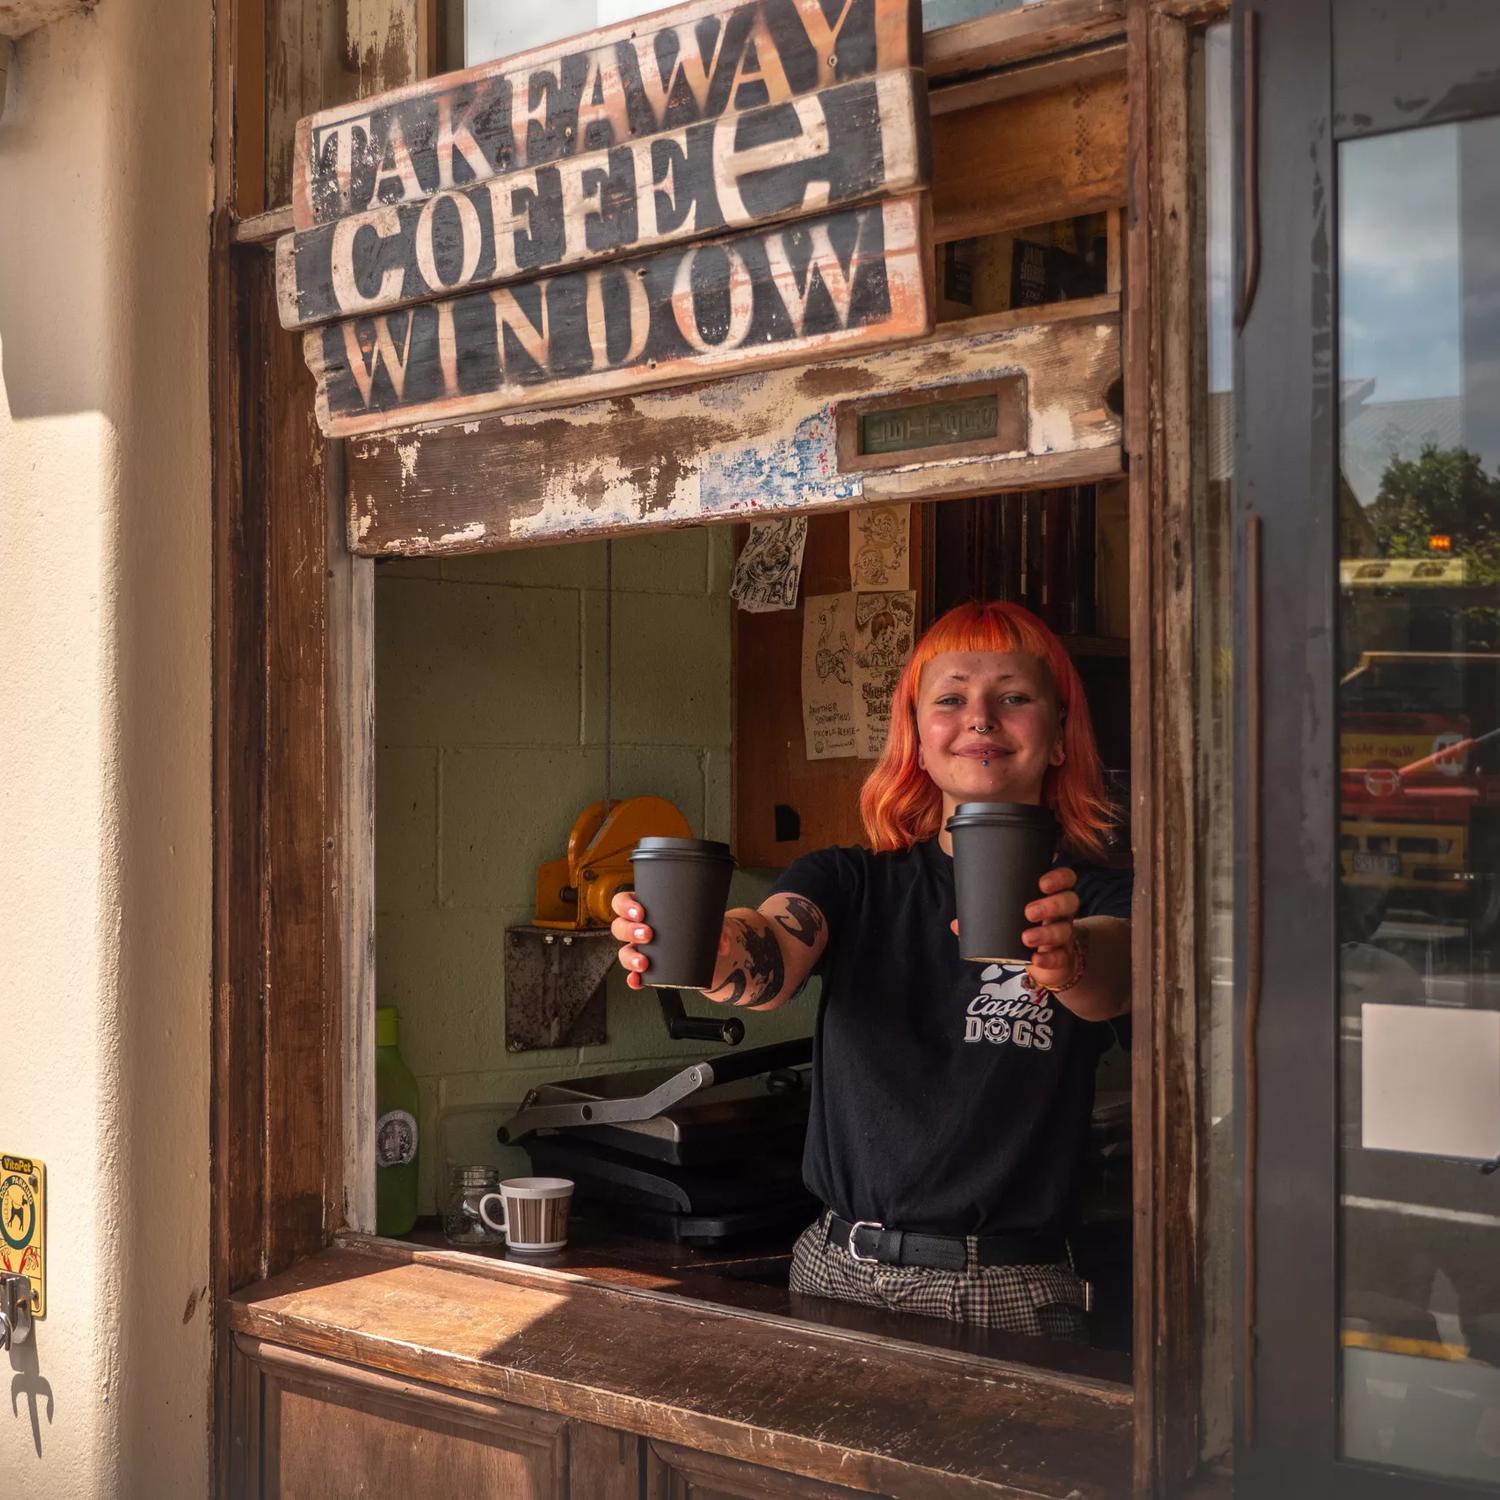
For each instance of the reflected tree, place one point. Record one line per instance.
(1446, 492)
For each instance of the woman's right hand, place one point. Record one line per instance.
(629, 928)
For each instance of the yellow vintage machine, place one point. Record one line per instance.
(574, 892)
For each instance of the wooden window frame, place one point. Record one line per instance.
(293, 721)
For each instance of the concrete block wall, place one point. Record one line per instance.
(490, 726)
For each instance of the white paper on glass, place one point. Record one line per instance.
(1430, 1081)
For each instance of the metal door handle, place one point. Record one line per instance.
(1250, 165)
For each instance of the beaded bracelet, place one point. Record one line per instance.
(1080, 959)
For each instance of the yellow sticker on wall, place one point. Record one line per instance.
(23, 1221)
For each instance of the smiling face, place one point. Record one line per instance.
(988, 727)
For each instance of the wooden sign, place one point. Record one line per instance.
(560, 225)
(816, 287)
(848, 143)
(635, 79)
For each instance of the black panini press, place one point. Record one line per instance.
(698, 1154)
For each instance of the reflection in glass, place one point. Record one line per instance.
(1419, 797)
(499, 28)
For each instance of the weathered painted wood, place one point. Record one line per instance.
(637, 78)
(1023, 32)
(1181, 1361)
(849, 143)
(741, 447)
(810, 290)
(784, 1396)
(1073, 161)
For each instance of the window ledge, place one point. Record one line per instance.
(878, 1415)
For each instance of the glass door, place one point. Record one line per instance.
(1419, 797)
(1370, 689)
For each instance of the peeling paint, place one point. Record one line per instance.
(1052, 429)
(407, 452)
(796, 470)
(475, 531)
(752, 444)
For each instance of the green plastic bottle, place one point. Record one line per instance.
(395, 1131)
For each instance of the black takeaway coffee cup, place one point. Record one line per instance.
(683, 884)
(1001, 850)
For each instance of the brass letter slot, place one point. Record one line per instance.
(953, 421)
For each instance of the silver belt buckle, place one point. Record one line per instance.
(854, 1230)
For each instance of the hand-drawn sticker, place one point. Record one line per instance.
(769, 566)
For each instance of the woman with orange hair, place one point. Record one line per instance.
(951, 1101)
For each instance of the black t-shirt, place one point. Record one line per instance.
(945, 1097)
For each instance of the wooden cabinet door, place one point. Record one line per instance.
(674, 1473)
(330, 1431)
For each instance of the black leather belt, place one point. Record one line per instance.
(869, 1241)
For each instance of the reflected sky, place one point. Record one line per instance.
(1398, 256)
(1219, 191)
(1419, 261)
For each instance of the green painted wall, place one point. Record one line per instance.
(490, 724)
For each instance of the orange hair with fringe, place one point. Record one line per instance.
(900, 804)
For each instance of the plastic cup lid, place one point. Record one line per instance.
(701, 848)
(1002, 812)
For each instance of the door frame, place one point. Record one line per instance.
(1320, 72)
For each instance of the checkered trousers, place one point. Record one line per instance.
(1045, 1300)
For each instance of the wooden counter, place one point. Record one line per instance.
(379, 1368)
(750, 1275)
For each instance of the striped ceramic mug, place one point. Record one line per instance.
(531, 1212)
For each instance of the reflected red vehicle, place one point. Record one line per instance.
(1419, 767)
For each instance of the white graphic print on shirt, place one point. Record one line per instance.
(1005, 1013)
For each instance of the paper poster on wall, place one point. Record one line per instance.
(768, 570)
(883, 625)
(879, 547)
(828, 675)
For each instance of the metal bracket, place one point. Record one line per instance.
(15, 1309)
(554, 986)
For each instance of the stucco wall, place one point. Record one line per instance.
(490, 694)
(104, 741)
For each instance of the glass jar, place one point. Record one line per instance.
(461, 1222)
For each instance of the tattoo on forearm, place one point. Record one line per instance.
(736, 981)
(802, 919)
(764, 961)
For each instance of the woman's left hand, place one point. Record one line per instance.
(1056, 960)
(1052, 932)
